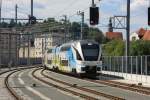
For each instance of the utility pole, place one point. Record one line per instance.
(42, 51)
(31, 8)
(65, 22)
(16, 13)
(82, 23)
(93, 4)
(28, 61)
(0, 10)
(128, 29)
(128, 35)
(9, 51)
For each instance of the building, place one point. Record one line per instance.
(22, 47)
(141, 32)
(134, 36)
(144, 34)
(42, 43)
(8, 46)
(114, 35)
(34, 46)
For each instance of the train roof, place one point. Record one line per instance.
(78, 41)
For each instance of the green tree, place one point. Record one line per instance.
(12, 23)
(75, 30)
(4, 25)
(140, 47)
(96, 34)
(114, 48)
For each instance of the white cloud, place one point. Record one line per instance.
(136, 4)
(57, 8)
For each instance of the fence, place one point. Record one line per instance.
(138, 66)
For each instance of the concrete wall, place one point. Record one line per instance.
(132, 77)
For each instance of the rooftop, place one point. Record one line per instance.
(114, 35)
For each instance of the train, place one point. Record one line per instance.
(82, 57)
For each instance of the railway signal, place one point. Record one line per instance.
(94, 14)
(149, 16)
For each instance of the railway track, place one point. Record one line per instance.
(131, 87)
(62, 88)
(10, 89)
(6, 81)
(90, 91)
(125, 86)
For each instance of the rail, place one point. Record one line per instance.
(108, 96)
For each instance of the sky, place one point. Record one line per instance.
(58, 8)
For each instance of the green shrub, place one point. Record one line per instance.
(114, 48)
(117, 48)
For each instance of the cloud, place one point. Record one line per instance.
(137, 4)
(57, 8)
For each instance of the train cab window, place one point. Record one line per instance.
(90, 51)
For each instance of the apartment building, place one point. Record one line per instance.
(8, 46)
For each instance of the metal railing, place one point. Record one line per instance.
(137, 64)
(117, 65)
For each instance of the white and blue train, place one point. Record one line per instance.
(80, 57)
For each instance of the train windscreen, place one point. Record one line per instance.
(90, 52)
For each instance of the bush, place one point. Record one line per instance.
(117, 48)
(114, 48)
(139, 48)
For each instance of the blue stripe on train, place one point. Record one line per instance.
(71, 58)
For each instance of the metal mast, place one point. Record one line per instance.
(0, 10)
(31, 8)
(128, 29)
(16, 13)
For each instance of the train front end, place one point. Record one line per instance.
(89, 60)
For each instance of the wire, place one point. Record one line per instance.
(84, 9)
(68, 6)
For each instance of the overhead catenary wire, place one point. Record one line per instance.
(68, 6)
(84, 10)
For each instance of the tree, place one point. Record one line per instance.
(4, 25)
(114, 48)
(139, 48)
(117, 48)
(96, 34)
(12, 23)
(75, 30)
